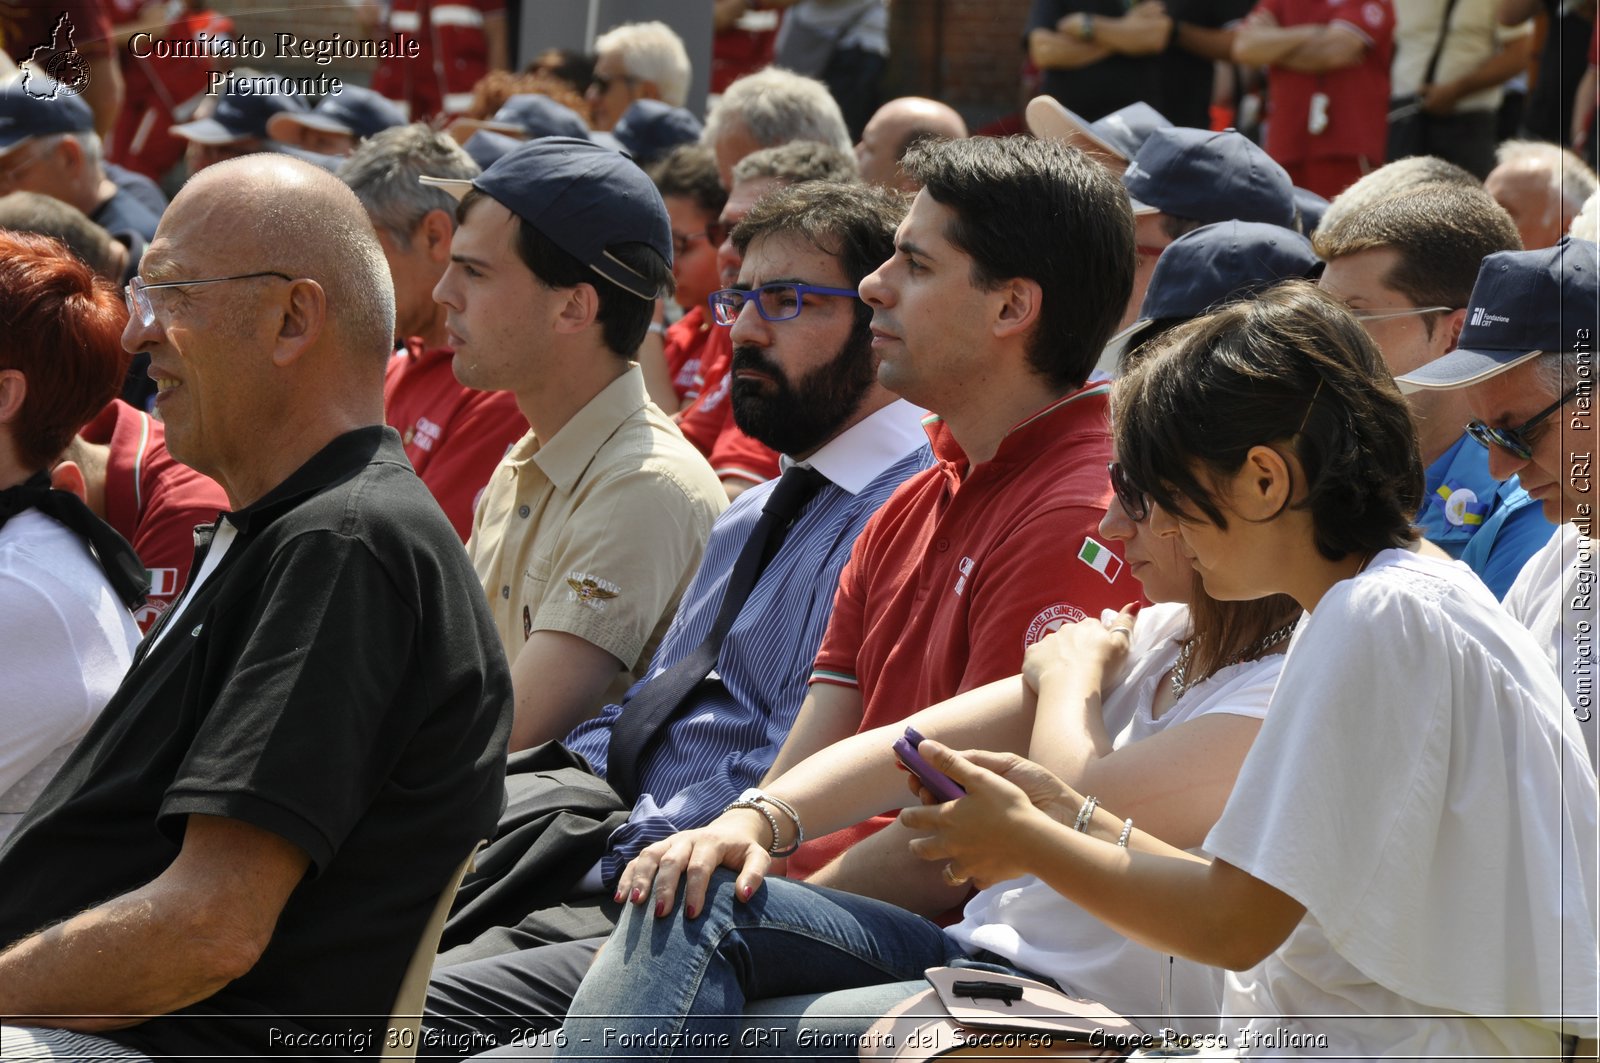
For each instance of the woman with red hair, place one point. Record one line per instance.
(67, 580)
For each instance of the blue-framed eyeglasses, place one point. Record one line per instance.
(1515, 440)
(774, 302)
(141, 309)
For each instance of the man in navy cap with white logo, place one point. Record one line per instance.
(1526, 358)
(592, 526)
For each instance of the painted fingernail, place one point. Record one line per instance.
(616, 898)
(638, 894)
(746, 890)
(661, 908)
(691, 911)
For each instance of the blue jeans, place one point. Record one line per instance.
(676, 988)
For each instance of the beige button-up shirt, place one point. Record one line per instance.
(598, 531)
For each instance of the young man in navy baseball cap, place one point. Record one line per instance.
(338, 122)
(1183, 178)
(236, 126)
(591, 526)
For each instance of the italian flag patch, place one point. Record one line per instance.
(1099, 557)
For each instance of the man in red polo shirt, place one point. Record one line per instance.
(981, 318)
(454, 436)
(1328, 79)
(118, 463)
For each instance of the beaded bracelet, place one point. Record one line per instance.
(772, 822)
(1127, 830)
(787, 809)
(1085, 814)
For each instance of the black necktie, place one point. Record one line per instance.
(658, 700)
(117, 560)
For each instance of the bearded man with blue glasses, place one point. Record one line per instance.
(1526, 359)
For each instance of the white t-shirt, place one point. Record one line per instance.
(1036, 928)
(65, 642)
(1408, 788)
(1554, 597)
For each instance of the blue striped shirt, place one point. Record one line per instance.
(726, 742)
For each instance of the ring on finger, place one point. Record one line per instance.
(1128, 631)
(950, 875)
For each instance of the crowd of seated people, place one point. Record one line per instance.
(603, 489)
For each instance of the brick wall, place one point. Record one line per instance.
(965, 52)
(319, 19)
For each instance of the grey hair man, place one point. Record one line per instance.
(1542, 186)
(636, 61)
(307, 745)
(454, 436)
(769, 108)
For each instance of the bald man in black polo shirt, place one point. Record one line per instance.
(315, 735)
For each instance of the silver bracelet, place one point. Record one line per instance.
(1127, 831)
(1085, 814)
(772, 822)
(787, 809)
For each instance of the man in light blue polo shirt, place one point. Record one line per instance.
(1405, 266)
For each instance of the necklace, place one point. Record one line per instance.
(1179, 677)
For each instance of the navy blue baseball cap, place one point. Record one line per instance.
(1212, 265)
(649, 129)
(356, 111)
(1206, 176)
(1311, 206)
(1524, 304)
(239, 116)
(485, 146)
(1119, 134)
(585, 198)
(528, 114)
(24, 115)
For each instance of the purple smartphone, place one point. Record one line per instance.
(937, 782)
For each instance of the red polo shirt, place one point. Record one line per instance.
(1358, 96)
(965, 566)
(708, 422)
(152, 500)
(682, 347)
(454, 436)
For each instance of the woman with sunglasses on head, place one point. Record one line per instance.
(1156, 723)
(1408, 855)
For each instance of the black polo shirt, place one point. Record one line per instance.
(337, 681)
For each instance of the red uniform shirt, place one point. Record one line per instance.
(452, 55)
(454, 436)
(708, 422)
(965, 567)
(1358, 96)
(160, 91)
(152, 500)
(682, 348)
